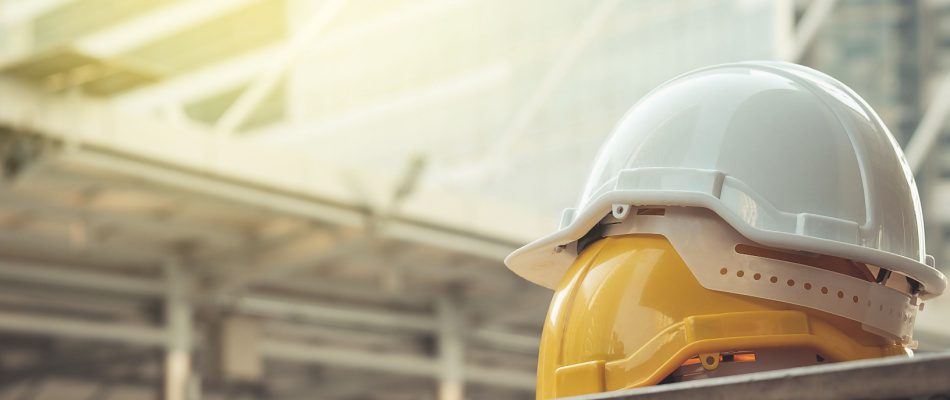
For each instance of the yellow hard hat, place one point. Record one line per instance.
(742, 217)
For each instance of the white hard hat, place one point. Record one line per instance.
(789, 157)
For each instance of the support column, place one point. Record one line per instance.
(451, 349)
(178, 326)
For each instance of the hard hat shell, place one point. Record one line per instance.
(789, 157)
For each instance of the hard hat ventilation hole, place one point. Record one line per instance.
(829, 263)
(651, 211)
(596, 233)
(882, 276)
(808, 286)
(914, 285)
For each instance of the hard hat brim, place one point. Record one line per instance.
(544, 261)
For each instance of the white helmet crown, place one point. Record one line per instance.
(789, 157)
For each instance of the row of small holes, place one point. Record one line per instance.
(807, 286)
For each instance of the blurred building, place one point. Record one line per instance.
(896, 55)
(297, 199)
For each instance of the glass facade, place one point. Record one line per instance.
(511, 99)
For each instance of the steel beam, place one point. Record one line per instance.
(13, 12)
(922, 376)
(198, 84)
(279, 263)
(249, 99)
(465, 242)
(339, 357)
(269, 306)
(44, 243)
(154, 25)
(377, 318)
(287, 181)
(392, 363)
(33, 324)
(380, 319)
(10, 198)
(238, 70)
(70, 277)
(360, 293)
(343, 336)
(334, 356)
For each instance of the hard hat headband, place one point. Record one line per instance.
(708, 246)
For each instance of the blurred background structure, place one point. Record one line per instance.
(311, 199)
